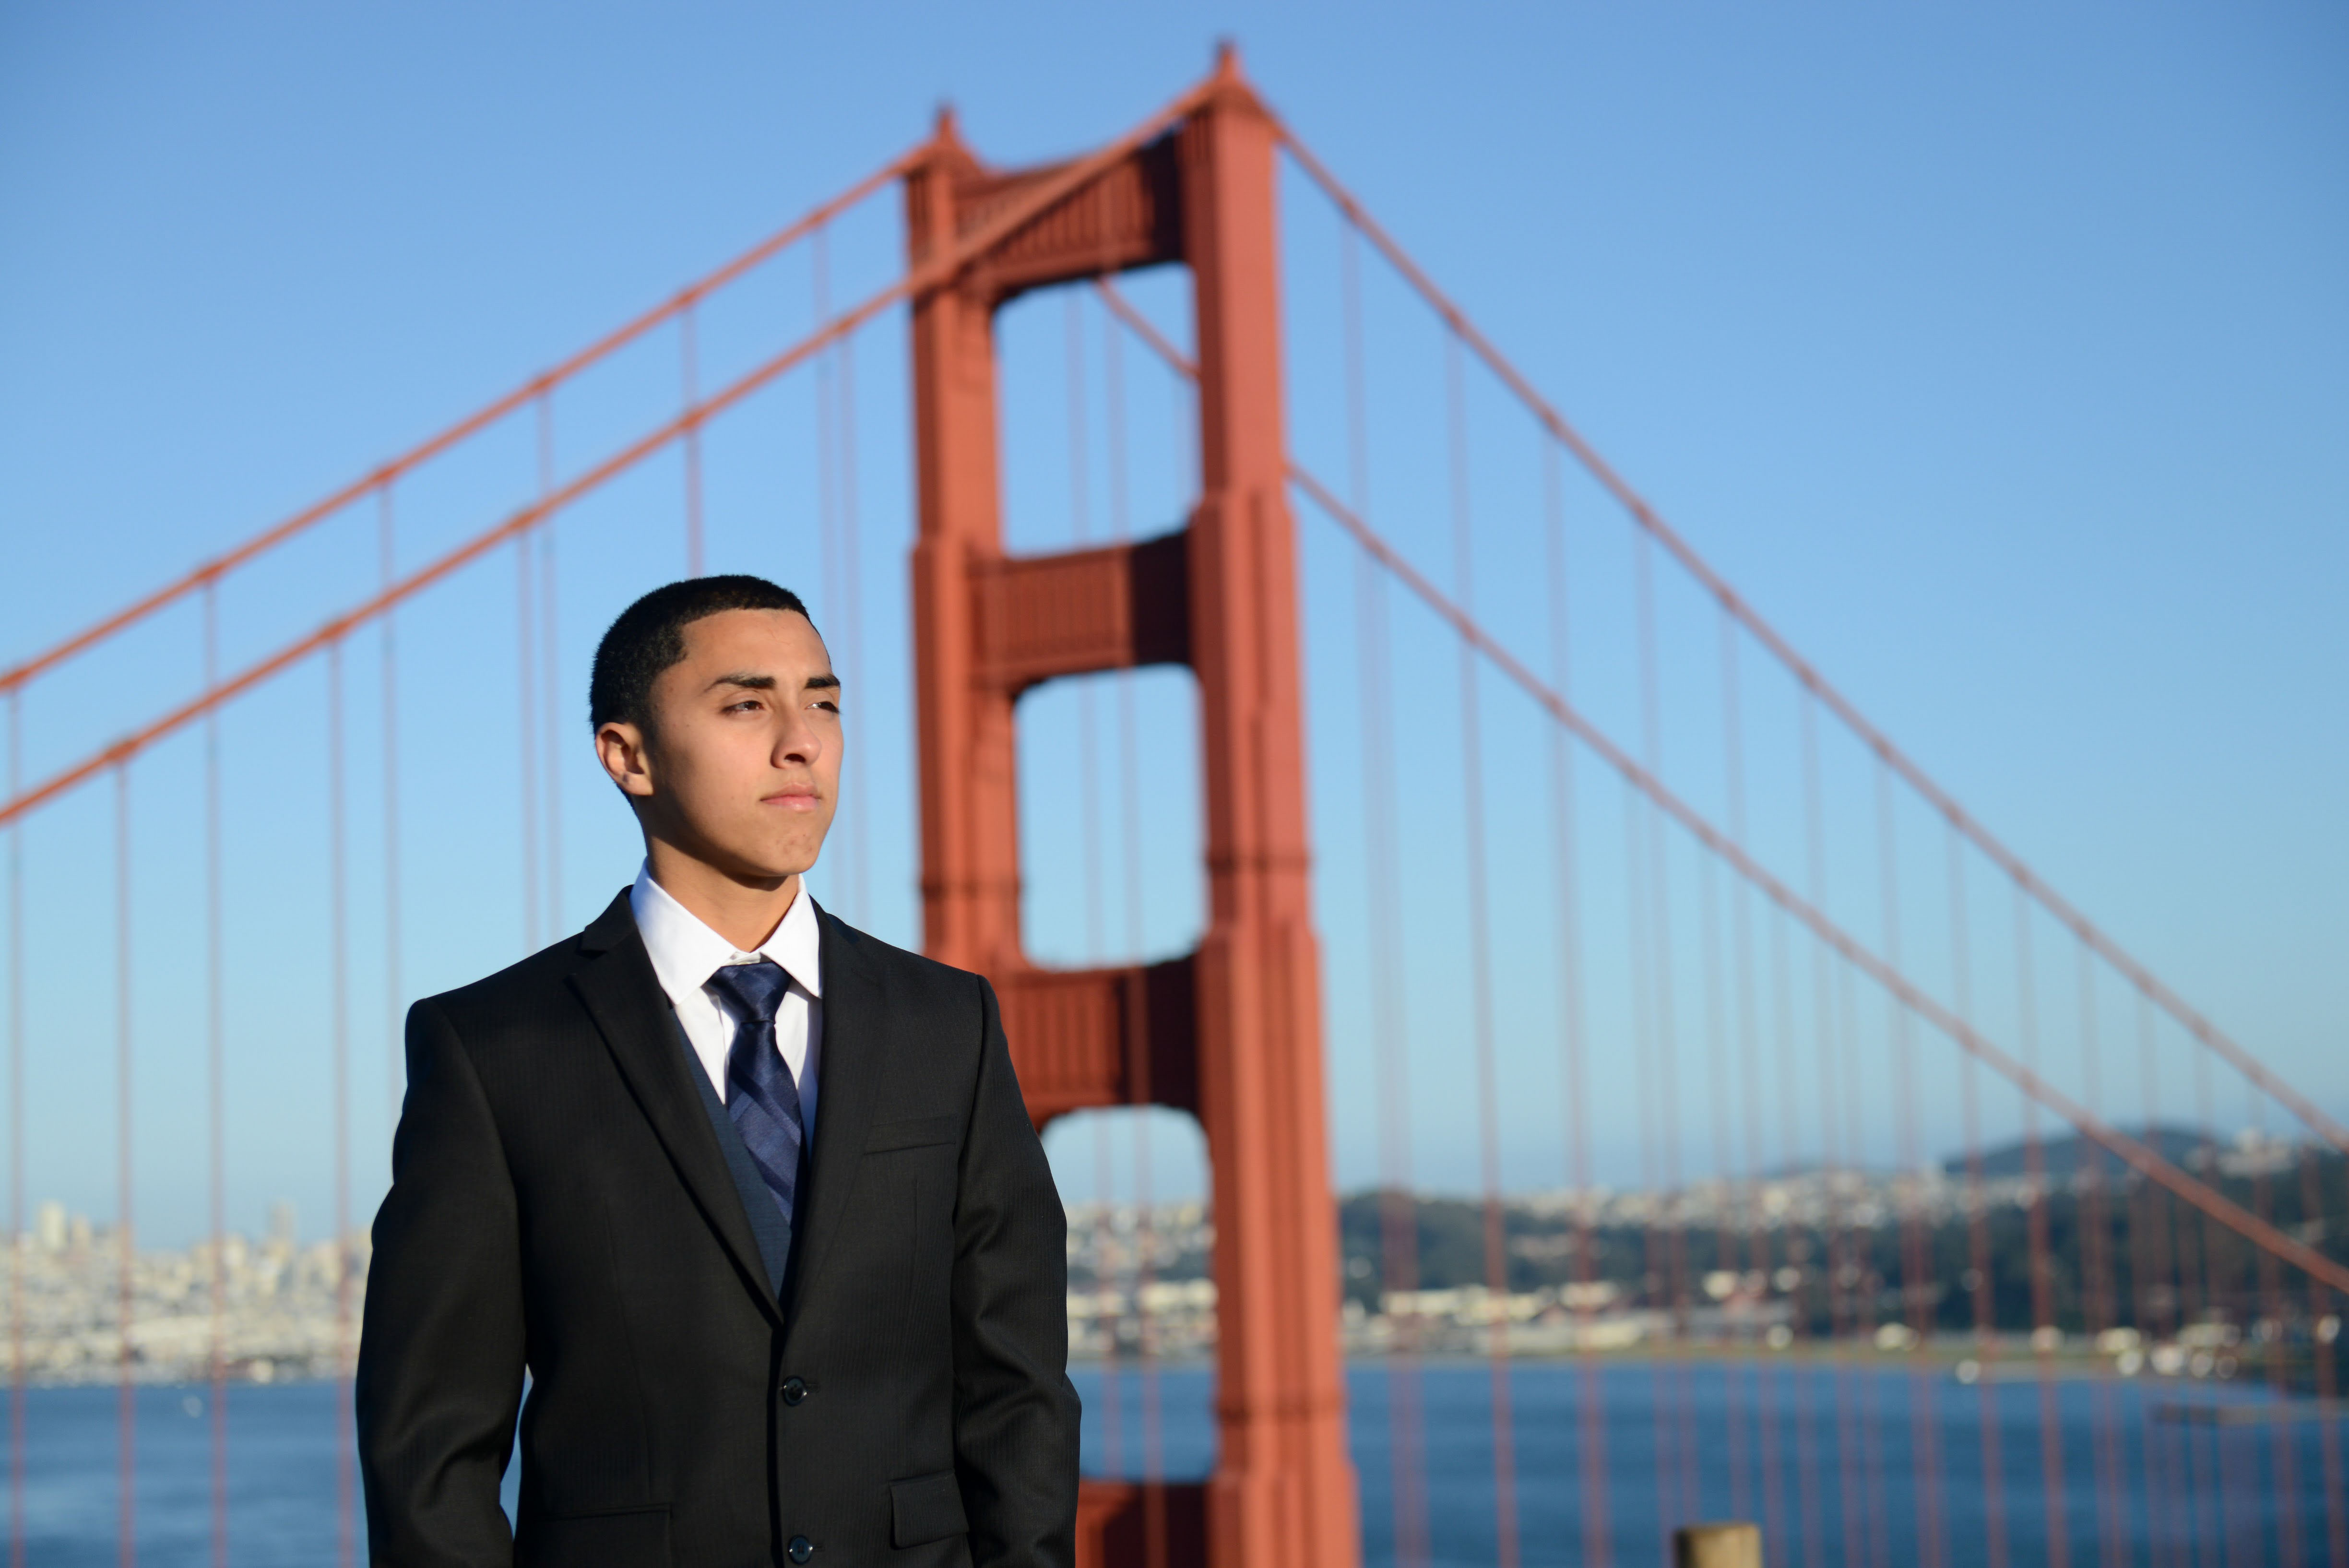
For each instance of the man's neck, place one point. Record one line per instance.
(745, 913)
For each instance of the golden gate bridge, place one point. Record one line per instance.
(1761, 1027)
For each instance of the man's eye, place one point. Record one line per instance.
(744, 706)
(828, 705)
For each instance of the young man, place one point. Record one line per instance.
(750, 1196)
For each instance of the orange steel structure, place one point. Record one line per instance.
(1232, 1033)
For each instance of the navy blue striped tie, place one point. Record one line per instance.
(760, 1096)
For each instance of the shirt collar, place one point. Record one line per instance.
(685, 953)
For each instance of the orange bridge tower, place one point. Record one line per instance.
(1231, 1032)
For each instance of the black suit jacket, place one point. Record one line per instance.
(561, 1203)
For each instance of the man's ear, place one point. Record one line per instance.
(626, 757)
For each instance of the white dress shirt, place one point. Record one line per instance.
(686, 953)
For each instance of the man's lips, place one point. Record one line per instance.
(791, 800)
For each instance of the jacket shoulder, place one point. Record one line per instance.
(526, 993)
(907, 976)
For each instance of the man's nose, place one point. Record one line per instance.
(798, 741)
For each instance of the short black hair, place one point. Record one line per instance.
(650, 637)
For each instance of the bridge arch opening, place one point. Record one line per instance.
(1141, 1290)
(1111, 818)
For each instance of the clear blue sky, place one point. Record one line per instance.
(1999, 353)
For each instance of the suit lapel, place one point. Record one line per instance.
(849, 1083)
(624, 998)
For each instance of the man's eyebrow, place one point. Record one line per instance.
(822, 683)
(745, 680)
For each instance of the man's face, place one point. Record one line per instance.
(741, 769)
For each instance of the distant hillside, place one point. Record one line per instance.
(2070, 1153)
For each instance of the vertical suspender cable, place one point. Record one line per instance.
(16, 1139)
(526, 688)
(1653, 1297)
(1874, 1504)
(1673, 1199)
(2322, 1317)
(394, 1054)
(1915, 1278)
(1129, 748)
(1488, 1108)
(550, 672)
(1757, 1233)
(1398, 1206)
(852, 614)
(2045, 1334)
(339, 1041)
(2096, 1292)
(2149, 1269)
(2284, 1457)
(1977, 1218)
(689, 356)
(1597, 1545)
(1725, 1235)
(1812, 1544)
(826, 431)
(1840, 1268)
(2201, 1282)
(126, 1414)
(1088, 837)
(215, 1087)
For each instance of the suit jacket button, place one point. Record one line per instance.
(795, 1390)
(800, 1549)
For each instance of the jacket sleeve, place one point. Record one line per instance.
(1015, 1414)
(443, 1350)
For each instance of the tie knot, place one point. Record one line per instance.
(756, 989)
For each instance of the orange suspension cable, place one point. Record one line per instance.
(1943, 804)
(472, 424)
(2129, 1150)
(929, 274)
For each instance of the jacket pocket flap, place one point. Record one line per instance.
(926, 1509)
(915, 1132)
(637, 1538)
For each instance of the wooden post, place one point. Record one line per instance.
(1723, 1546)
